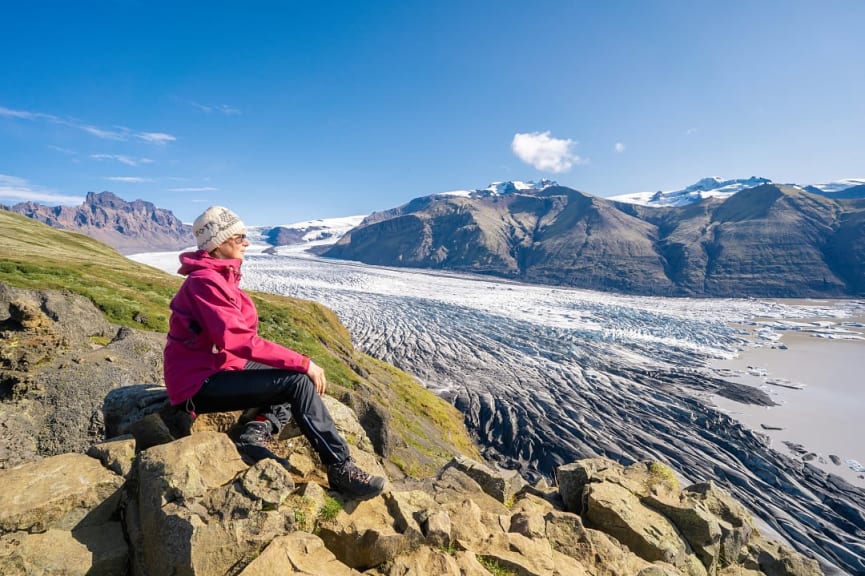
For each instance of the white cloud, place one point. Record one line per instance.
(129, 179)
(129, 161)
(194, 189)
(155, 137)
(9, 113)
(20, 190)
(218, 108)
(121, 133)
(690, 131)
(545, 152)
(96, 131)
(619, 147)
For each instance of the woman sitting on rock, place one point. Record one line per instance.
(215, 361)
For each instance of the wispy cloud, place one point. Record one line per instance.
(62, 150)
(119, 133)
(194, 189)
(155, 137)
(223, 109)
(23, 114)
(545, 152)
(20, 190)
(619, 147)
(690, 131)
(128, 160)
(129, 179)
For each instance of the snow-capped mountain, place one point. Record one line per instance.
(309, 233)
(716, 187)
(838, 185)
(705, 188)
(502, 188)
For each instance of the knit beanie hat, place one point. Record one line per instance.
(215, 226)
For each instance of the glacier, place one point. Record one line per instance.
(548, 375)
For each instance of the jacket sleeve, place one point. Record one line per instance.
(224, 323)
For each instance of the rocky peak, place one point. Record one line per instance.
(128, 227)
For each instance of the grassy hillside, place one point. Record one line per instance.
(36, 256)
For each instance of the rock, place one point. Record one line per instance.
(92, 551)
(593, 548)
(778, 560)
(366, 537)
(58, 492)
(454, 484)
(117, 455)
(736, 529)
(437, 529)
(190, 515)
(500, 484)
(268, 482)
(150, 431)
(426, 560)
(647, 533)
(572, 479)
(297, 553)
(522, 555)
(697, 525)
(468, 528)
(410, 511)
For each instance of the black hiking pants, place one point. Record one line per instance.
(258, 386)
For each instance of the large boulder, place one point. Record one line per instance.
(200, 510)
(699, 530)
(59, 516)
(297, 553)
(58, 492)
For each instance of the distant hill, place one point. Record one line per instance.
(770, 240)
(128, 227)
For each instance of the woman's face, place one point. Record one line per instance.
(232, 249)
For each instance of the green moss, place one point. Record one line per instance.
(100, 340)
(332, 507)
(662, 474)
(493, 567)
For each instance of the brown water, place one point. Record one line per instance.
(826, 417)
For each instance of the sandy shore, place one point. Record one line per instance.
(820, 386)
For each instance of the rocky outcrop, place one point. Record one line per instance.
(59, 358)
(770, 240)
(128, 227)
(192, 506)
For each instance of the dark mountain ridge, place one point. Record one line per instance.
(128, 227)
(768, 241)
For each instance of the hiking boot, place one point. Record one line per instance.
(352, 482)
(255, 432)
(252, 444)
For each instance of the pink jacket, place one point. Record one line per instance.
(214, 327)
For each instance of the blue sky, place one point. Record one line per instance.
(286, 111)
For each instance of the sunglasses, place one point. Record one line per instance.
(239, 238)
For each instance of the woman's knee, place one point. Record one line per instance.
(300, 384)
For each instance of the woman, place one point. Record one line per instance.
(215, 360)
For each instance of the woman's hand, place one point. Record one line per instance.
(316, 374)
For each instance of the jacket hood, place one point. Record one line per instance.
(202, 260)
